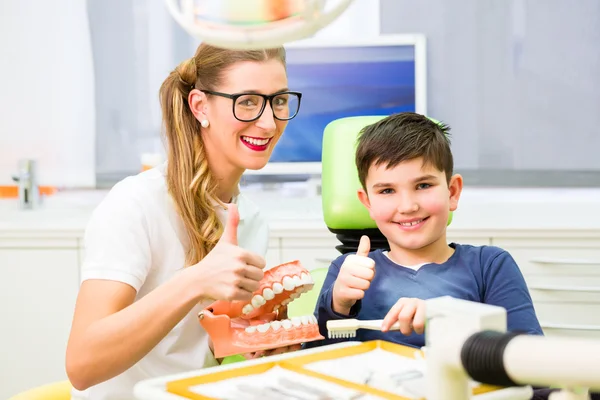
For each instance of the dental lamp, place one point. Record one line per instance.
(254, 24)
(468, 340)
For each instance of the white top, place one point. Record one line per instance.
(135, 236)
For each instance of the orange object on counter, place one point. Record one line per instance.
(12, 191)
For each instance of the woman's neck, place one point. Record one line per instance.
(228, 179)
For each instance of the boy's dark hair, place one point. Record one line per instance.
(403, 137)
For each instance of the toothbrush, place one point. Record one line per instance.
(346, 328)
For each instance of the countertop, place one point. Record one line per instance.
(479, 209)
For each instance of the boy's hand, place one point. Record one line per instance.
(354, 278)
(410, 313)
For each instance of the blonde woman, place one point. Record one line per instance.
(167, 242)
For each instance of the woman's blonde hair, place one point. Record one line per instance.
(189, 179)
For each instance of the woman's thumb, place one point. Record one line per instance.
(231, 225)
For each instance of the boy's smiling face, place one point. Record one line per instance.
(410, 203)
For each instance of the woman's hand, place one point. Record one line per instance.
(282, 314)
(410, 313)
(229, 272)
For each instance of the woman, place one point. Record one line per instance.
(156, 248)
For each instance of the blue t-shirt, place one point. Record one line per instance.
(485, 274)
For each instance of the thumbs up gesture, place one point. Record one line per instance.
(229, 272)
(354, 278)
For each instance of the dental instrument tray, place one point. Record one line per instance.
(365, 371)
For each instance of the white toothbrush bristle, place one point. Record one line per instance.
(341, 334)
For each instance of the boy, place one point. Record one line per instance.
(405, 167)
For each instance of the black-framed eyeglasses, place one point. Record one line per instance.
(248, 107)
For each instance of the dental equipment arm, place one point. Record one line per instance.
(467, 340)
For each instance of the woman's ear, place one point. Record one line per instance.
(198, 104)
(455, 187)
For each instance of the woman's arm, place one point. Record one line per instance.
(111, 332)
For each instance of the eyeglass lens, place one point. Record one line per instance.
(248, 106)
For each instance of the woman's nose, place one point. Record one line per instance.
(266, 120)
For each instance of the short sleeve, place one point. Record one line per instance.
(117, 239)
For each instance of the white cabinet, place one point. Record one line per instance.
(563, 276)
(38, 288)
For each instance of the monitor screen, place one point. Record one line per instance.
(379, 76)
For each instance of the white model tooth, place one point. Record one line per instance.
(277, 288)
(268, 294)
(276, 325)
(287, 324)
(305, 320)
(258, 301)
(313, 319)
(247, 309)
(294, 295)
(288, 283)
(305, 278)
(296, 321)
(251, 329)
(297, 281)
(262, 328)
(286, 302)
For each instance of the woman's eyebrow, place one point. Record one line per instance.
(252, 91)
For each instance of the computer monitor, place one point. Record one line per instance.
(374, 76)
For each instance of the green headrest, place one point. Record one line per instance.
(339, 177)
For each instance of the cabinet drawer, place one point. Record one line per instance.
(312, 253)
(570, 331)
(550, 261)
(584, 315)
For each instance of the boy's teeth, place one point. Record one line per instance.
(257, 142)
(411, 223)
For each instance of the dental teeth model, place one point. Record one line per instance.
(243, 327)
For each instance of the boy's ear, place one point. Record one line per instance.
(455, 187)
(364, 199)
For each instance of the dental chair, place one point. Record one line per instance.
(344, 214)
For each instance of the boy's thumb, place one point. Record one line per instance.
(364, 246)
(231, 225)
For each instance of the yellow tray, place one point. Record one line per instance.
(300, 367)
(304, 362)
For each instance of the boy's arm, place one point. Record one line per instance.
(324, 311)
(505, 286)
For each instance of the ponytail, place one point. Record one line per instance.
(189, 181)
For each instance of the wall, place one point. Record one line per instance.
(517, 80)
(47, 91)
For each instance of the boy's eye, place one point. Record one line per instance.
(386, 191)
(423, 186)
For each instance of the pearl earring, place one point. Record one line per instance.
(204, 123)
